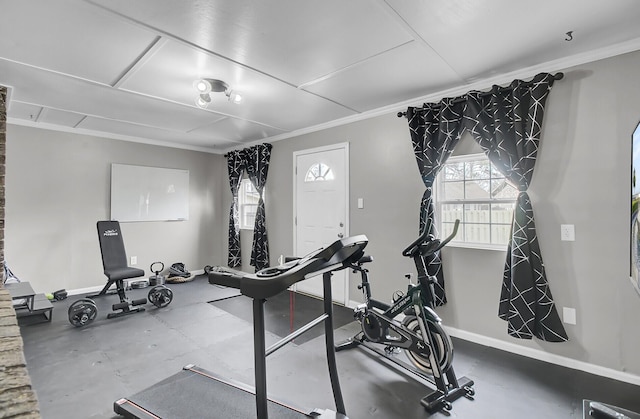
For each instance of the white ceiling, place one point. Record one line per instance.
(125, 69)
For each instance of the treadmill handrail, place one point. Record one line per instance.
(334, 257)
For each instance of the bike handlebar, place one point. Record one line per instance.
(431, 245)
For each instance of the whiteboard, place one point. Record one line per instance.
(141, 193)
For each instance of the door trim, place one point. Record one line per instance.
(338, 146)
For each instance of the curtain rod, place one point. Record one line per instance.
(225, 155)
(557, 76)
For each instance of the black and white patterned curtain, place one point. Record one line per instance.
(3, 154)
(435, 130)
(507, 124)
(235, 167)
(257, 165)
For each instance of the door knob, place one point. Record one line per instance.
(340, 235)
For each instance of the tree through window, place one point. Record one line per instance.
(472, 190)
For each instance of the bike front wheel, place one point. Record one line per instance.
(443, 348)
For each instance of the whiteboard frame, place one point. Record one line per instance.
(145, 193)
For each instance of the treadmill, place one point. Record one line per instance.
(197, 393)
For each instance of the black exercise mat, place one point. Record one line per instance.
(223, 293)
(277, 315)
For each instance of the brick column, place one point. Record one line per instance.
(17, 398)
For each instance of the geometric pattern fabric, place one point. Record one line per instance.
(235, 167)
(3, 154)
(525, 299)
(255, 161)
(257, 166)
(435, 130)
(506, 123)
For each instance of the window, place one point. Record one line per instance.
(472, 190)
(248, 198)
(319, 172)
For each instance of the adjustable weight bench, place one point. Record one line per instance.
(114, 260)
(116, 269)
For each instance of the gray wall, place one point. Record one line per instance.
(582, 178)
(58, 186)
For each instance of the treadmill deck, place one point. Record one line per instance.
(197, 393)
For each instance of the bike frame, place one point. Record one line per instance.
(417, 298)
(420, 299)
(421, 294)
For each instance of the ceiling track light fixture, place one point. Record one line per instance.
(206, 87)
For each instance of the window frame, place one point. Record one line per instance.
(438, 203)
(245, 184)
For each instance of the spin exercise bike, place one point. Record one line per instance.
(420, 333)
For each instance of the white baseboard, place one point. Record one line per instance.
(97, 288)
(544, 356)
(88, 290)
(353, 304)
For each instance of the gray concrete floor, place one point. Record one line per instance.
(81, 372)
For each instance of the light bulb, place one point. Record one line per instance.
(202, 86)
(235, 97)
(203, 100)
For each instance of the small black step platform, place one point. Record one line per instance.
(39, 306)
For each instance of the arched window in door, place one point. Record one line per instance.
(319, 172)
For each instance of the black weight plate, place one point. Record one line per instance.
(82, 312)
(160, 296)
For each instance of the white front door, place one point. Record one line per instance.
(321, 209)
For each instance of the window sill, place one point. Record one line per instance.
(479, 246)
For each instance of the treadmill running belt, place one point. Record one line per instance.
(189, 394)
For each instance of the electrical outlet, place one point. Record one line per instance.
(567, 232)
(569, 315)
(134, 260)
